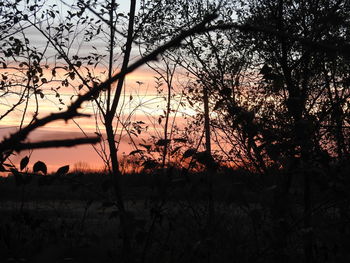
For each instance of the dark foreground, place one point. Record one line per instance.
(230, 217)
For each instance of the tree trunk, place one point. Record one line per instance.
(209, 167)
(109, 117)
(206, 120)
(115, 176)
(166, 145)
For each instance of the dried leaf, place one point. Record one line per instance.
(163, 142)
(180, 140)
(189, 153)
(63, 170)
(205, 158)
(147, 146)
(24, 162)
(135, 152)
(176, 149)
(149, 164)
(39, 166)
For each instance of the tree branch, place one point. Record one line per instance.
(342, 48)
(56, 143)
(10, 143)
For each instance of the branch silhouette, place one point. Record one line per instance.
(341, 48)
(56, 143)
(11, 143)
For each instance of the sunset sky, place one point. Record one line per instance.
(146, 105)
(139, 99)
(145, 100)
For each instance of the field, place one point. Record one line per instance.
(73, 218)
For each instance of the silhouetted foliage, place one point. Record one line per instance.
(258, 174)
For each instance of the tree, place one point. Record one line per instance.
(293, 75)
(60, 41)
(290, 116)
(25, 66)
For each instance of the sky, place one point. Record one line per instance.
(145, 105)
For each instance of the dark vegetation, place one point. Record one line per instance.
(269, 82)
(73, 217)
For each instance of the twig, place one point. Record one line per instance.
(8, 144)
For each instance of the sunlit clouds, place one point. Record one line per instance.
(140, 102)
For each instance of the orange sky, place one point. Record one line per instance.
(149, 106)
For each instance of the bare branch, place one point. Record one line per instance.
(56, 143)
(11, 142)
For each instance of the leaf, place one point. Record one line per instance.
(149, 164)
(147, 146)
(135, 152)
(8, 53)
(176, 149)
(278, 83)
(189, 153)
(205, 158)
(266, 69)
(180, 140)
(163, 142)
(52, 14)
(35, 79)
(226, 92)
(53, 72)
(72, 75)
(39, 166)
(63, 170)
(41, 94)
(24, 162)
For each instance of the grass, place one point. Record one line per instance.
(66, 219)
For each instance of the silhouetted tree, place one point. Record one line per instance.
(61, 42)
(295, 62)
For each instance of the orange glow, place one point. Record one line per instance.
(139, 100)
